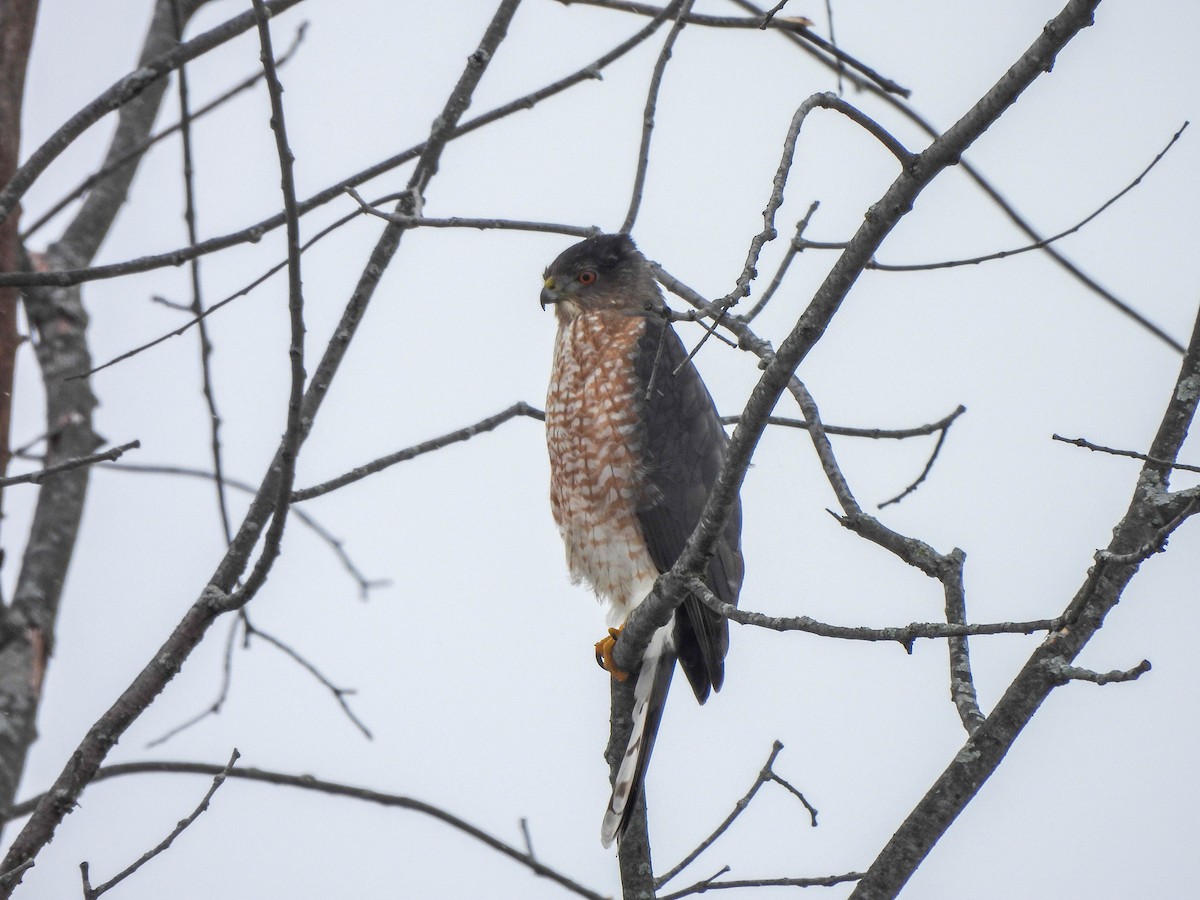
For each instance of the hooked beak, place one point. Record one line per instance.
(549, 294)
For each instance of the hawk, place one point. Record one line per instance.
(635, 447)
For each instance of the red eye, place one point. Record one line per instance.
(587, 276)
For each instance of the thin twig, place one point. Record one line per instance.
(520, 408)
(905, 635)
(937, 449)
(793, 249)
(660, 66)
(1037, 245)
(197, 303)
(119, 94)
(1131, 454)
(873, 433)
(583, 231)
(764, 775)
(795, 27)
(365, 584)
(710, 885)
(339, 694)
(91, 893)
(1116, 676)
(142, 146)
(91, 459)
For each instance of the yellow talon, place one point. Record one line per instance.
(604, 654)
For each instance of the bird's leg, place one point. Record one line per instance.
(604, 654)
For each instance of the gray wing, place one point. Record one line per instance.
(683, 446)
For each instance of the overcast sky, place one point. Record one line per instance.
(473, 666)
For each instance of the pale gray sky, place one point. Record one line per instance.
(474, 667)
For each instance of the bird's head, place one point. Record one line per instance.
(602, 273)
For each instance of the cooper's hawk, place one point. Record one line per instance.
(635, 447)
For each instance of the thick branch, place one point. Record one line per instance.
(1050, 664)
(880, 219)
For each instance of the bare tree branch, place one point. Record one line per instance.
(1044, 242)
(216, 597)
(1101, 591)
(946, 150)
(1131, 454)
(59, 325)
(197, 304)
(125, 90)
(712, 885)
(91, 459)
(984, 185)
(321, 786)
(142, 146)
(91, 893)
(684, 7)
(520, 408)
(794, 27)
(16, 37)
(1074, 673)
(766, 774)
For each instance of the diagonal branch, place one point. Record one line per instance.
(882, 217)
(215, 599)
(974, 763)
(128, 88)
(91, 893)
(520, 408)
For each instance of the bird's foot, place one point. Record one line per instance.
(604, 654)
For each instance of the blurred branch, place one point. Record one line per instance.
(58, 323)
(520, 408)
(91, 893)
(149, 73)
(219, 595)
(37, 477)
(17, 21)
(330, 788)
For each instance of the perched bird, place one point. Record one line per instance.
(635, 446)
